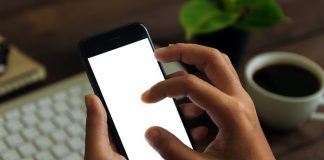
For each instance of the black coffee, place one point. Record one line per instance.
(287, 80)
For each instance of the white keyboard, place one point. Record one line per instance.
(46, 124)
(49, 123)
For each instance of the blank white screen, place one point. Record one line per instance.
(123, 74)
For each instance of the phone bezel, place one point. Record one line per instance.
(107, 41)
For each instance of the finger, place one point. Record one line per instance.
(199, 133)
(177, 74)
(167, 145)
(228, 60)
(191, 111)
(97, 141)
(201, 93)
(209, 60)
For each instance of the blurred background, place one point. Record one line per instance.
(49, 30)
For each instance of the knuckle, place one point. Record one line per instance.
(157, 86)
(190, 80)
(240, 106)
(226, 56)
(237, 106)
(241, 109)
(177, 46)
(214, 53)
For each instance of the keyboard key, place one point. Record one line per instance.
(3, 132)
(43, 143)
(30, 134)
(13, 114)
(81, 152)
(83, 135)
(14, 140)
(27, 150)
(60, 151)
(3, 147)
(77, 115)
(75, 90)
(61, 107)
(45, 113)
(1, 121)
(76, 144)
(75, 130)
(44, 155)
(13, 126)
(30, 120)
(87, 88)
(62, 121)
(60, 96)
(46, 127)
(10, 155)
(45, 102)
(59, 136)
(73, 156)
(76, 101)
(28, 108)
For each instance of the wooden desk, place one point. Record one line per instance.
(49, 31)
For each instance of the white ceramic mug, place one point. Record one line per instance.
(278, 111)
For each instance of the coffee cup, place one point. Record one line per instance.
(287, 88)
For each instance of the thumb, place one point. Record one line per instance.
(97, 144)
(168, 146)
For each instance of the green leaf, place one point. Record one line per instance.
(203, 16)
(249, 2)
(260, 16)
(229, 5)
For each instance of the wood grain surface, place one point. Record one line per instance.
(49, 30)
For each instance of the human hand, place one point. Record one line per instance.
(224, 99)
(97, 141)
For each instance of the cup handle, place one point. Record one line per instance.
(317, 115)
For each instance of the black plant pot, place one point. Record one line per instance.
(230, 41)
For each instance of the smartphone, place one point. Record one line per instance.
(120, 65)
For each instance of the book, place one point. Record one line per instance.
(21, 71)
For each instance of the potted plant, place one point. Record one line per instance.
(225, 24)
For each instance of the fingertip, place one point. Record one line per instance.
(94, 105)
(89, 100)
(153, 135)
(165, 54)
(145, 96)
(150, 97)
(167, 144)
(160, 51)
(199, 133)
(191, 111)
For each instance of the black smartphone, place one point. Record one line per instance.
(120, 65)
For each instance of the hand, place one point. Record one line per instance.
(224, 99)
(97, 143)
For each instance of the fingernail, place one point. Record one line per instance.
(160, 50)
(170, 45)
(153, 136)
(145, 95)
(88, 101)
